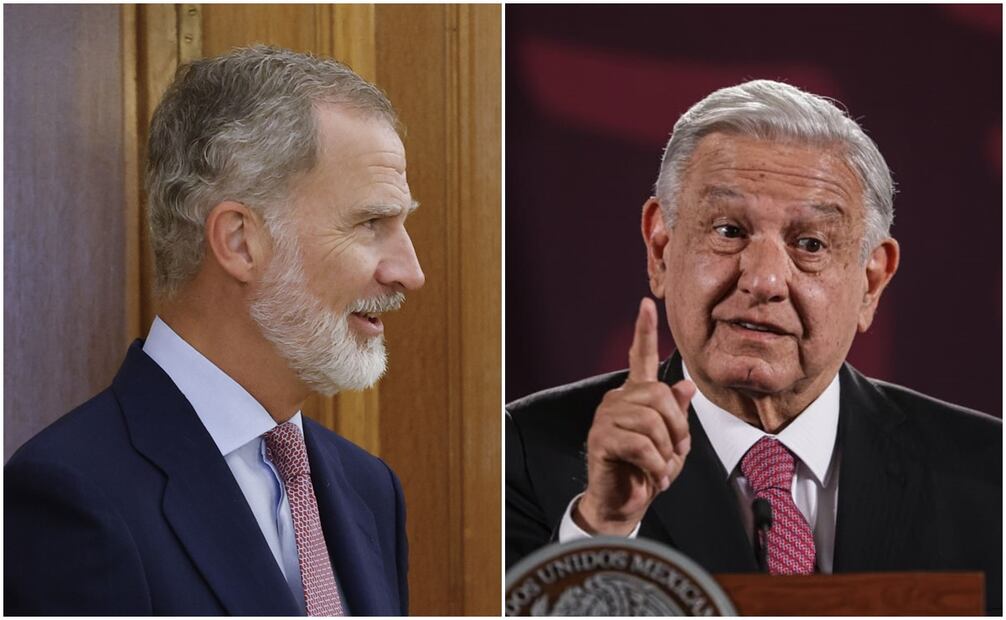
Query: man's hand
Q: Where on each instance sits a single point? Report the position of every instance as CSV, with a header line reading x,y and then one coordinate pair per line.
x,y
639,439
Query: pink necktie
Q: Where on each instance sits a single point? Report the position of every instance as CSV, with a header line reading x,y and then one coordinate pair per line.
x,y
769,466
284,446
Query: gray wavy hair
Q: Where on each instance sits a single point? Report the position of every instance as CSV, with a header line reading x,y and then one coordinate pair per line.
x,y
237,127
775,111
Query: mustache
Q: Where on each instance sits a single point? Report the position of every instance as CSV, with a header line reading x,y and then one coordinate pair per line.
x,y
377,305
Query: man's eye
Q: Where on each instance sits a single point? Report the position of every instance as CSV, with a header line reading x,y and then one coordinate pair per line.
x,y
728,231
372,223
810,244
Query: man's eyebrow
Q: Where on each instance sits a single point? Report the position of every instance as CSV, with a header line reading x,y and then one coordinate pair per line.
x,y
828,209
385,210
713,192
716,192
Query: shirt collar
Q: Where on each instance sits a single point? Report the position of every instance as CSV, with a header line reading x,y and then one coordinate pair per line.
x,y
230,414
811,436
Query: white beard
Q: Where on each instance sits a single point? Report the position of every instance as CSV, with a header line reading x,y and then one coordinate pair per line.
x,y
315,341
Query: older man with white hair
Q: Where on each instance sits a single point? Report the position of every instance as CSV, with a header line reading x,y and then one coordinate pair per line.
x,y
193,485
768,240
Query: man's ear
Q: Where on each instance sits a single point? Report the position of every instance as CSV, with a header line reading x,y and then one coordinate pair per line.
x,y
880,268
655,236
235,238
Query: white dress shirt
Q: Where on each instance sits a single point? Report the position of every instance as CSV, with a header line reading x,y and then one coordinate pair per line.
x,y
811,437
235,422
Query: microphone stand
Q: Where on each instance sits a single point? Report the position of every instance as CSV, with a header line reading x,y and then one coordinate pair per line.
x,y
762,511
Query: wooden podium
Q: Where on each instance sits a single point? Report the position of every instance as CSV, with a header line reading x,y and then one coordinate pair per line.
x,y
857,594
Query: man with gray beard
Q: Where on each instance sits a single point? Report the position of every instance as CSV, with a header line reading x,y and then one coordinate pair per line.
x,y
193,485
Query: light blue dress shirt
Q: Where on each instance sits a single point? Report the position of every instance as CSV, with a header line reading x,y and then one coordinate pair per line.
x,y
236,422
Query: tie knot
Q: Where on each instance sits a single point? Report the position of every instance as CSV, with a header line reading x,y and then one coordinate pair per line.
x,y
768,464
284,447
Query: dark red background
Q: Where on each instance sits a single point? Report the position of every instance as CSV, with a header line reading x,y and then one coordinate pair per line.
x,y
593,91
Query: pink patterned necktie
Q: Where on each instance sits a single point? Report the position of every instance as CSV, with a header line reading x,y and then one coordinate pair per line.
x,y
284,447
769,467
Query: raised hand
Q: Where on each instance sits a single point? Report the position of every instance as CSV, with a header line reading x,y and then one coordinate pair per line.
x,y
639,439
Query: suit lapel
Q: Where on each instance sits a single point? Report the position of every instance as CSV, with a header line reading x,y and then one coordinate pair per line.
x,y
202,501
350,532
882,490
700,502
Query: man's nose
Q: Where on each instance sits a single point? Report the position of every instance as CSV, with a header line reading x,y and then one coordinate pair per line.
x,y
764,266
400,267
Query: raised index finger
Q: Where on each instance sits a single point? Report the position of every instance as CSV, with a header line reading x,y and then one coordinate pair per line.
x,y
643,356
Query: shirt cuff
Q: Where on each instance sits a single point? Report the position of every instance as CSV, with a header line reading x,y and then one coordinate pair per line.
x,y
569,530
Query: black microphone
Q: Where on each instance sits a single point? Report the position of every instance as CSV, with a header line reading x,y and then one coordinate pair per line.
x,y
762,511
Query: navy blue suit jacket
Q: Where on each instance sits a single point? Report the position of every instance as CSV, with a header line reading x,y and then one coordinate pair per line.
x,y
126,506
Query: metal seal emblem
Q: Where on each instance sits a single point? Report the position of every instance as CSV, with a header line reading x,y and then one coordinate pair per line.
x,y
607,576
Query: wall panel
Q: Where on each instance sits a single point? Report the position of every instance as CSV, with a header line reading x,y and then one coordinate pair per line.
x,y
63,211
448,89
412,66
295,26
479,123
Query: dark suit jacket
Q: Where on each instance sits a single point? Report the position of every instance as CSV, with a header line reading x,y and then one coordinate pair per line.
x,y
126,506
920,485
